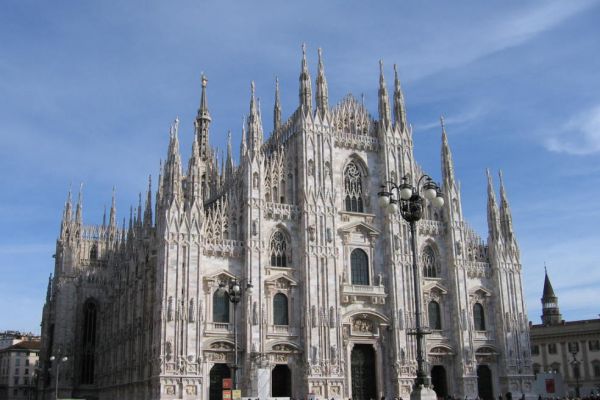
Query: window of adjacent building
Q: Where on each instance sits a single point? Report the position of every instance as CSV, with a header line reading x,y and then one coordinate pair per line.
x,y
27,361
280,309
359,265
17,361
435,319
278,250
26,381
536,368
552,348
573,347
428,260
26,371
478,317
555,367
353,188
594,345
220,307
16,380
535,350
596,368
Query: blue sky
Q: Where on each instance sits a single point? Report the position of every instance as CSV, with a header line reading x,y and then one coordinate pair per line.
x,y
88,90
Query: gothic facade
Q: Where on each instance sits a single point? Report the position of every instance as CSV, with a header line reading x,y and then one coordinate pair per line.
x,y
138,311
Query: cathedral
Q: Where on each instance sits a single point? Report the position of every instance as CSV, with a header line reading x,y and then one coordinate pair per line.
x,y
284,274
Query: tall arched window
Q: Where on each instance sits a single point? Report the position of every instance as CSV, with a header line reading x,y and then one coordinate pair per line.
x,y
280,309
428,260
89,342
359,265
94,252
278,250
435,318
478,317
220,307
353,188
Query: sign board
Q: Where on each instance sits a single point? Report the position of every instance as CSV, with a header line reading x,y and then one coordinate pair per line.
x,y
236,394
227,394
227,383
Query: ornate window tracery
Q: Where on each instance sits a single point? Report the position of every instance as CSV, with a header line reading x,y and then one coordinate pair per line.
x,y
429,264
279,249
280,309
478,317
359,266
353,188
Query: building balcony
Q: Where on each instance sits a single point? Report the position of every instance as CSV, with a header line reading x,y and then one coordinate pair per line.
x,y
218,328
282,330
363,293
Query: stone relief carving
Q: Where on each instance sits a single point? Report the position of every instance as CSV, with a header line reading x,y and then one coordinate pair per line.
x,y
362,325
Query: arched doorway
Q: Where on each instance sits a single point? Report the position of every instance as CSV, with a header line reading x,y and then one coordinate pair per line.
x,y
281,381
438,380
363,372
484,383
217,373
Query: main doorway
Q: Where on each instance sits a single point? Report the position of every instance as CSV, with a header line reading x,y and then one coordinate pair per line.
x,y
438,380
281,381
217,373
484,383
363,372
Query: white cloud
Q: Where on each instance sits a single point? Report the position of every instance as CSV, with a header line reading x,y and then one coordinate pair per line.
x,y
462,118
579,136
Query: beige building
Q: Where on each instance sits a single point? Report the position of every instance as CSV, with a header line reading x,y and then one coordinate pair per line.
x,y
18,373
571,349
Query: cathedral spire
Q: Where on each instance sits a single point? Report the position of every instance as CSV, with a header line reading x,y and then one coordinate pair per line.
x,y
148,206
447,163
229,162
79,208
203,120
399,107
194,179
254,125
505,213
112,221
243,144
66,218
172,175
384,102
277,108
322,90
550,312
305,84
492,210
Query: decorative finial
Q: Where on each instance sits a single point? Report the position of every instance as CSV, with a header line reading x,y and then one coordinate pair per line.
x,y
204,80
381,67
442,123
304,50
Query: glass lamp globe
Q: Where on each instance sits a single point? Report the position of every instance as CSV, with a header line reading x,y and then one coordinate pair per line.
x,y
235,288
384,200
249,288
406,192
392,208
438,201
430,193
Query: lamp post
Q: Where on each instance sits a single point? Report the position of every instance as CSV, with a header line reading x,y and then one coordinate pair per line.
x,y
410,201
234,291
575,362
58,361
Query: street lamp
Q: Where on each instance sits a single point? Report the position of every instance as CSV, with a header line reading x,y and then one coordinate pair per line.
x,y
575,362
410,201
58,361
234,291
